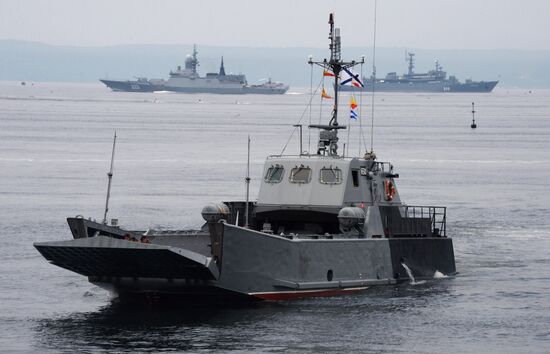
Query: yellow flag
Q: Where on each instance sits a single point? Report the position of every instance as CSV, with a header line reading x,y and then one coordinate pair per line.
x,y
324,94
353,106
353,102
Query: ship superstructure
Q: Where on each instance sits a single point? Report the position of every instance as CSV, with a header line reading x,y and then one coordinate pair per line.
x,y
323,224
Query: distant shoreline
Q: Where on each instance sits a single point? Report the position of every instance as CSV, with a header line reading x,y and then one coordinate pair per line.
x,y
33,61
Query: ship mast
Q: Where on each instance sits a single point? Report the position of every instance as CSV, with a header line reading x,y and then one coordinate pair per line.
x,y
328,136
195,60
411,63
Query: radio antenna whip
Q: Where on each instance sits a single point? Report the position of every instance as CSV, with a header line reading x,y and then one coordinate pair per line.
x,y
110,177
373,80
247,180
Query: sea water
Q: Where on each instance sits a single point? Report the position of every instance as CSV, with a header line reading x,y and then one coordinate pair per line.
x,y
176,152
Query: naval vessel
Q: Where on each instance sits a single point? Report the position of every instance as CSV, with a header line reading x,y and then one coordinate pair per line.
x,y
323,224
433,81
188,80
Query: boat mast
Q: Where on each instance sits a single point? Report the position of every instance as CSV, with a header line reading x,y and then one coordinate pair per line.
x,y
195,60
335,64
328,136
222,69
247,181
411,63
110,177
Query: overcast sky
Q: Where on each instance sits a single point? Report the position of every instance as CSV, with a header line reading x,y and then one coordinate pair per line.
x,y
449,24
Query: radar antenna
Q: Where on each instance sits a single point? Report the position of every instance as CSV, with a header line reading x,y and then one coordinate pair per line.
x,y
328,136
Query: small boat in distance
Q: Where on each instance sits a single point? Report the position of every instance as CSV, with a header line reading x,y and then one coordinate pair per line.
x,y
188,80
433,81
323,224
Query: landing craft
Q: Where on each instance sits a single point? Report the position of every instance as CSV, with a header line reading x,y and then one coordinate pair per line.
x,y
323,224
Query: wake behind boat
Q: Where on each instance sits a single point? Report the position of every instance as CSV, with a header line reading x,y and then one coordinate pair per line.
x,y
323,224
188,80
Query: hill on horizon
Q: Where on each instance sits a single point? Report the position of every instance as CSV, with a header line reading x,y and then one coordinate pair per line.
x,y
32,61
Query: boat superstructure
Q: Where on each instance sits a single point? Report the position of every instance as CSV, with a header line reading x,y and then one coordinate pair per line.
x,y
323,224
188,80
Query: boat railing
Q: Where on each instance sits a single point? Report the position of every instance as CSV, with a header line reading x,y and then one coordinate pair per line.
x,y
436,214
380,166
302,156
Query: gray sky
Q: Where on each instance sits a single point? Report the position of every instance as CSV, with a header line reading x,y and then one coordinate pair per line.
x,y
452,24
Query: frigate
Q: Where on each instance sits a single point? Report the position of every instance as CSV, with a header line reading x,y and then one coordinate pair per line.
x,y
188,80
323,224
432,81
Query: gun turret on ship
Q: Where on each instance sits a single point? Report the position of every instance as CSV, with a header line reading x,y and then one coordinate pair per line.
x,y
188,80
323,224
432,81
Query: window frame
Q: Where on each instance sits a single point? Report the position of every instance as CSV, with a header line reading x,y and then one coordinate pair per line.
x,y
274,167
338,176
297,168
355,178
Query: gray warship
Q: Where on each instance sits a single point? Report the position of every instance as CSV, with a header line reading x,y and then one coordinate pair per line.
x,y
188,80
433,81
323,224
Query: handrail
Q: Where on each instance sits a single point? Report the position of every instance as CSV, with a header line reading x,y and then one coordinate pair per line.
x,y
436,214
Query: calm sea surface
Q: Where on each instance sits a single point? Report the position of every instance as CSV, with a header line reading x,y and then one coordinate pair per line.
x,y
176,153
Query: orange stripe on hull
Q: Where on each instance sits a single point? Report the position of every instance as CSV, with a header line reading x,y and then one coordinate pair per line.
x,y
290,295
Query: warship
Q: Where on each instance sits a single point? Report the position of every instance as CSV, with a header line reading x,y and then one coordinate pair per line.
x,y
433,81
323,224
188,80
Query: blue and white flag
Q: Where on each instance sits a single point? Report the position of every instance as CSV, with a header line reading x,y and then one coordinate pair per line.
x,y
349,78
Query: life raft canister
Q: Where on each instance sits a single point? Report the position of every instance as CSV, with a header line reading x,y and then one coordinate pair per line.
x,y
389,190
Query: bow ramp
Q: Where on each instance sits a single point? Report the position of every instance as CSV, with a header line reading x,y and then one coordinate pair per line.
x,y
107,256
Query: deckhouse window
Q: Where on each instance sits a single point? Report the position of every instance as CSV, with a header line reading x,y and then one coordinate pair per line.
x,y
330,175
274,174
300,174
355,177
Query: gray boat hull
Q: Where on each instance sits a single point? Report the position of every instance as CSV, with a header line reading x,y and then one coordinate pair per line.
x,y
248,264
275,268
131,86
228,90
432,86
147,86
